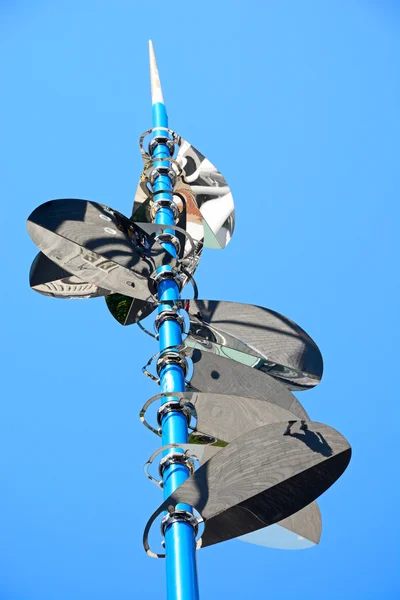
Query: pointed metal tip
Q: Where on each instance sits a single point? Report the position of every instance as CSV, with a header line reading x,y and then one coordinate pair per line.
x,y
156,91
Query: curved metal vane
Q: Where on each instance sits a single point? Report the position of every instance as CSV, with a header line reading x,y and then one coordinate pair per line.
x,y
49,279
258,337
218,375
98,245
221,418
252,335
126,310
202,190
298,532
260,478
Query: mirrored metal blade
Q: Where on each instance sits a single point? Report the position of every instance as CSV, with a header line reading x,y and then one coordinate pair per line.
x,y
49,279
218,375
205,193
254,336
224,417
98,245
219,420
298,532
126,310
261,478
258,337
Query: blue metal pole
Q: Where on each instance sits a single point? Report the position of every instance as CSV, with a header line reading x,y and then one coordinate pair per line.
x,y
180,549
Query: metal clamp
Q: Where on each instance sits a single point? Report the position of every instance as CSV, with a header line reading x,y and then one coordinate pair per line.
x,y
177,401
169,238
168,315
147,154
173,516
178,351
172,357
157,203
185,457
159,171
173,170
175,458
168,274
187,409
179,516
161,140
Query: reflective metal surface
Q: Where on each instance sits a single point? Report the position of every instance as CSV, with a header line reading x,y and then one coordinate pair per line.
x,y
218,375
219,420
258,337
49,279
126,310
298,532
98,245
205,193
262,477
254,336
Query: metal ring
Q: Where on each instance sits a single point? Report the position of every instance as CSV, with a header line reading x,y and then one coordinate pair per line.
x,y
168,315
159,171
157,203
186,453
191,279
173,165
175,458
169,238
161,140
186,408
175,138
171,510
158,276
179,516
172,357
177,399
183,349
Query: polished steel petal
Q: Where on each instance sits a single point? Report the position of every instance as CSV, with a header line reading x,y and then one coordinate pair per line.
x,y
258,337
49,279
218,375
298,532
205,193
262,477
224,417
126,310
254,336
221,419
98,245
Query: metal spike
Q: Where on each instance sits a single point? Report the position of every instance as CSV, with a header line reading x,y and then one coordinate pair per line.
x,y
156,91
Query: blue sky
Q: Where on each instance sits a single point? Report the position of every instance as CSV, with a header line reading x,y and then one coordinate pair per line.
x,y
297,105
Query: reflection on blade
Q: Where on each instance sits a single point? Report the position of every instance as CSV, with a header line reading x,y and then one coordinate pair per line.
x,y
128,311
98,245
224,417
258,337
204,191
261,478
49,279
277,537
219,375
298,532
254,336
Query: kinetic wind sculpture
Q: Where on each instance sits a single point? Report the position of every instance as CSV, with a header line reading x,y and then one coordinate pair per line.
x,y
261,462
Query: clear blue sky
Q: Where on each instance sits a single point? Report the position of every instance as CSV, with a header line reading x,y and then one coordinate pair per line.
x,y
297,104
